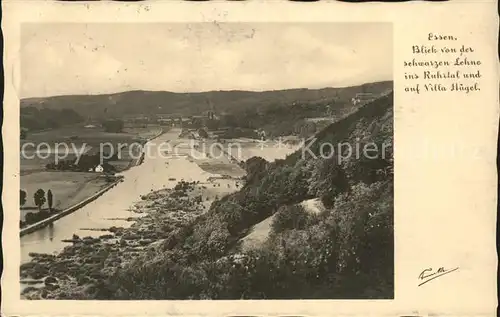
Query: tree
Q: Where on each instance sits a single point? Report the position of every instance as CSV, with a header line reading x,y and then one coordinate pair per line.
x,y
196,123
290,217
114,126
255,166
49,199
229,120
202,133
212,124
39,198
22,196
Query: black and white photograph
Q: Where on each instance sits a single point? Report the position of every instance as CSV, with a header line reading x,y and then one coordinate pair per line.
x,y
206,161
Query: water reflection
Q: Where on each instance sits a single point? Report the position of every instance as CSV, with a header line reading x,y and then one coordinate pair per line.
x,y
51,231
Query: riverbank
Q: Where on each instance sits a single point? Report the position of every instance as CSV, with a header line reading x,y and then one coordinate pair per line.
x,y
45,222
84,200
139,160
68,188
77,271
162,131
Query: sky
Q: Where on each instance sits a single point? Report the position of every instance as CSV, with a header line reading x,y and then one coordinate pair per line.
x,y
65,59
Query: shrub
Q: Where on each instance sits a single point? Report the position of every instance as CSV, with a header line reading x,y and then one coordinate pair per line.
x,y
30,218
22,197
290,217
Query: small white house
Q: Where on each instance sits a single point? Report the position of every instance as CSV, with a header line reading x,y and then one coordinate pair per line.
x,y
99,169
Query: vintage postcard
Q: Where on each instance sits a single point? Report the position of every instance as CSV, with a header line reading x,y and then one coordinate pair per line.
x,y
250,158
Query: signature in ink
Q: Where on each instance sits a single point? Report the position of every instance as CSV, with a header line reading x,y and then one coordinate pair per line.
x,y
430,274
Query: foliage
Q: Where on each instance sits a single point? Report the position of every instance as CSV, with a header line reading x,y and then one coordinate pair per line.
x,y
290,217
327,180
202,133
304,128
49,199
237,132
83,164
31,218
255,168
33,118
39,198
196,123
114,126
212,124
344,252
276,119
22,197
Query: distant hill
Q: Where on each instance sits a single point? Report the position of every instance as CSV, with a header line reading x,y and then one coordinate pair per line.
x,y
140,102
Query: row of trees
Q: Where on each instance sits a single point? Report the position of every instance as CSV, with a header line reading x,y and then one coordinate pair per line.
x,y
38,198
275,119
85,163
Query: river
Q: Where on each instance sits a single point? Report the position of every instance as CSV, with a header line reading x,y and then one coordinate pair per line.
x,y
156,172
152,174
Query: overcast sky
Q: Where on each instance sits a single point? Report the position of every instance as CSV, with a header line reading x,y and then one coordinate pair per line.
x,y
62,59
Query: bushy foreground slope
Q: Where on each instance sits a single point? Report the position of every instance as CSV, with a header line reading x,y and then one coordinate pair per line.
x,y
346,251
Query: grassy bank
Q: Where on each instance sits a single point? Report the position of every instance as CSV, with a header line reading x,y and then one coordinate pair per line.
x,y
68,188
45,217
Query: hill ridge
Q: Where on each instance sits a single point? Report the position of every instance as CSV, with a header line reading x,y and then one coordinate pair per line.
x,y
202,91
135,102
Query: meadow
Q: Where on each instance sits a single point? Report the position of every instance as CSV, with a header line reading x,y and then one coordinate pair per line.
x,y
71,187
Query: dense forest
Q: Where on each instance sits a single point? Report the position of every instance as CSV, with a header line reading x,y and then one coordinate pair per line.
x,y
282,119
274,120
35,119
346,251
